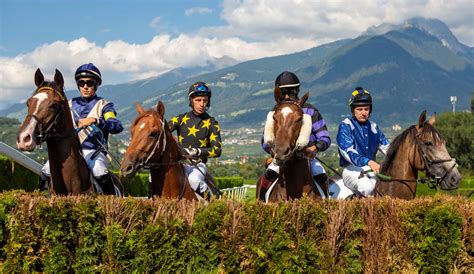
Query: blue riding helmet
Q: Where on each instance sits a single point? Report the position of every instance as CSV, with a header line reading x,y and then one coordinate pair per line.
x,y
199,89
88,70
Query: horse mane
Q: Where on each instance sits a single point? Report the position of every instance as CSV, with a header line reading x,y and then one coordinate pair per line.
x,y
410,132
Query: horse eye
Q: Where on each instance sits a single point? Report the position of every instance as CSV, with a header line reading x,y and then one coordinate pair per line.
x,y
54,106
153,135
429,143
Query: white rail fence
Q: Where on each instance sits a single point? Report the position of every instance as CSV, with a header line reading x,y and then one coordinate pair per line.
x,y
237,193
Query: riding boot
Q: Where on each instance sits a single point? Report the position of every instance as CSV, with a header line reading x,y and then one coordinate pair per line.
x,y
323,182
43,183
267,180
107,184
205,195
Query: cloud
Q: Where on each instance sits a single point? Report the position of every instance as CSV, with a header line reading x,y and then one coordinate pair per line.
x,y
328,20
120,61
253,29
155,22
197,10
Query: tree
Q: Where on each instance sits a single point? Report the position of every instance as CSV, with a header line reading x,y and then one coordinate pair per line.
x,y
458,130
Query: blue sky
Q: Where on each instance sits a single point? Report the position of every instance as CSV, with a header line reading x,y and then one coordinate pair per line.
x,y
27,24
132,40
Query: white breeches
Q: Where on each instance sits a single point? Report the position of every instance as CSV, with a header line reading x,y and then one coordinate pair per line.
x,y
196,176
315,166
98,165
365,184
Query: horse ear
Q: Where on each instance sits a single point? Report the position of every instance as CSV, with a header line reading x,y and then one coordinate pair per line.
x,y
277,94
58,78
432,119
422,119
139,108
303,99
39,78
160,107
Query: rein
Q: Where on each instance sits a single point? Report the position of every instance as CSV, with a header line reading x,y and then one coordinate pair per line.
x,y
432,180
51,131
150,165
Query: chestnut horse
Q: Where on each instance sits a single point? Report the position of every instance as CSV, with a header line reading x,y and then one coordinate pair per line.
x,y
420,147
49,119
152,145
287,130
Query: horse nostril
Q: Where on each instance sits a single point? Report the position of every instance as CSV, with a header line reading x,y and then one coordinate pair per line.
x,y
287,151
27,138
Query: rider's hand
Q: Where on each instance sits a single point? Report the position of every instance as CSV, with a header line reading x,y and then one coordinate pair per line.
x,y
310,152
193,151
374,166
85,122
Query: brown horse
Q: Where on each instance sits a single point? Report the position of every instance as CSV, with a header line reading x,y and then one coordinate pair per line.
x,y
420,147
153,146
287,130
49,119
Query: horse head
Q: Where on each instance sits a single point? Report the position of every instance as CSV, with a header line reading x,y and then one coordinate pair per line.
x,y
433,157
287,128
148,139
46,108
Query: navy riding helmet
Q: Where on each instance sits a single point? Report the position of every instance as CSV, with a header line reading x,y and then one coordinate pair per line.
x,y
199,89
360,97
88,70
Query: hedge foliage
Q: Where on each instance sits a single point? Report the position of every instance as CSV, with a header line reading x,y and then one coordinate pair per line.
x,y
108,234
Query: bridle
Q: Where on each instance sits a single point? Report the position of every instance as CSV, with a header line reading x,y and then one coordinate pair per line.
x,y
293,151
52,131
431,180
428,163
146,163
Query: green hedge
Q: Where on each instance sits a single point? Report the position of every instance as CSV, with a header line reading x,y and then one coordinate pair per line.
x,y
15,176
108,234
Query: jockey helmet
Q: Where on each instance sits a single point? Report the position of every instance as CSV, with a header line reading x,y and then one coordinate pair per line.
x,y
288,83
360,97
199,89
88,70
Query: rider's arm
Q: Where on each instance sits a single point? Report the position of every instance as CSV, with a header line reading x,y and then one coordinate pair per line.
x,y
346,143
319,131
108,120
214,149
174,123
383,142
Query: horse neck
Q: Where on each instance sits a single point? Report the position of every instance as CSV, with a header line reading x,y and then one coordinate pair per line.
x,y
296,175
402,164
69,171
168,178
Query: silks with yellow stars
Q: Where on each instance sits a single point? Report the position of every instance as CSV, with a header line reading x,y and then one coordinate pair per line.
x,y
201,132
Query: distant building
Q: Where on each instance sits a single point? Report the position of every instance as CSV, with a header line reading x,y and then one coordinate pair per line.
x,y
396,127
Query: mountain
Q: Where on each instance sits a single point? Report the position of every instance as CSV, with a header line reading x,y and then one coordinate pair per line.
x,y
408,68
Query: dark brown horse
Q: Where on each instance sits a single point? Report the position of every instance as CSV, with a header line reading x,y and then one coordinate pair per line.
x,y
153,146
49,119
287,130
420,147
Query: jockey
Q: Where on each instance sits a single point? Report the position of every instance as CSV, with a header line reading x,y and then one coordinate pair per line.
x,y
358,140
199,135
319,140
91,110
